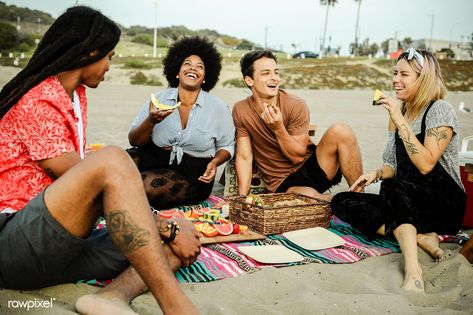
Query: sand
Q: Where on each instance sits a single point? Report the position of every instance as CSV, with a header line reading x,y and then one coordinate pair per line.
x,y
367,287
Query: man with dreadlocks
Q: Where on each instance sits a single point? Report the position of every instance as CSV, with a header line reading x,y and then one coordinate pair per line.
x,y
51,197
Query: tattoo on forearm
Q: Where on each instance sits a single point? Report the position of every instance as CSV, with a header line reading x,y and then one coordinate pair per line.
x,y
438,133
51,173
125,233
410,146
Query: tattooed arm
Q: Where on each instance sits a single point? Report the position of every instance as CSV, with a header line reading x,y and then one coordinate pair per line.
x,y
423,155
426,155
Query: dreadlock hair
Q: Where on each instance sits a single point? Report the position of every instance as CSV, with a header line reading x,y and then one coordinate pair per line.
x,y
66,45
186,47
248,60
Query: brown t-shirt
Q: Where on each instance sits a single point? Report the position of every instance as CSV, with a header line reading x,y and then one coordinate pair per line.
x,y
274,166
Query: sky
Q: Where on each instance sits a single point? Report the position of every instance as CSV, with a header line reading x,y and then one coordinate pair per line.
x,y
283,24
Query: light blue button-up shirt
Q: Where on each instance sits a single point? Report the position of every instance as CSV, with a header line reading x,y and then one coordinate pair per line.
x,y
210,127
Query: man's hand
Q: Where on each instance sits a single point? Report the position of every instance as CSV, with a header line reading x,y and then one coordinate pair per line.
x,y
209,173
272,116
186,245
156,115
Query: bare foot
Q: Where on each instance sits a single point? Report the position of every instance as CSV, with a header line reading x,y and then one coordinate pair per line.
x,y
95,304
429,242
413,282
467,250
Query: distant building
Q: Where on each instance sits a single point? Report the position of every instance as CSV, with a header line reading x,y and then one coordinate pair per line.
x,y
462,50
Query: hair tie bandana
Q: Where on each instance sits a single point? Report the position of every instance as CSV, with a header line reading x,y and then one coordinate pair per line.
x,y
412,53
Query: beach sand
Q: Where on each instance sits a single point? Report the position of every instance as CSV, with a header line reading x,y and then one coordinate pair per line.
x,y
371,286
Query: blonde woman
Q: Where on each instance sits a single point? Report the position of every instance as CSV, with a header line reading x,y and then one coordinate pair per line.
x,y
421,192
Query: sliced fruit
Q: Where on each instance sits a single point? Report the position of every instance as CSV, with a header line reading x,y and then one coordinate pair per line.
x,y
167,214
224,229
208,230
188,214
199,225
201,211
160,106
236,228
243,228
179,214
377,95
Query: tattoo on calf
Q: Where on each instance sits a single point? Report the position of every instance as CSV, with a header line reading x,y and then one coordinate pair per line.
x,y
125,233
410,146
438,133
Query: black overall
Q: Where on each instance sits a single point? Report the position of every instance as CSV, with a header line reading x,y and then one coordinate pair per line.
x,y
432,203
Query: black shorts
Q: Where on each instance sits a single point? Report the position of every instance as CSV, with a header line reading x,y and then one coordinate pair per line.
x,y
310,175
36,251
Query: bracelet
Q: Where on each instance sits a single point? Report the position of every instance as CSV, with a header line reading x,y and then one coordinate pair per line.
x,y
174,231
379,175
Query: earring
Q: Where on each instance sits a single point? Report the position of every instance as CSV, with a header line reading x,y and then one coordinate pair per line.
x,y
203,81
177,76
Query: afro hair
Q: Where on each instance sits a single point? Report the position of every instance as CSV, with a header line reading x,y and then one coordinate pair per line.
x,y
186,47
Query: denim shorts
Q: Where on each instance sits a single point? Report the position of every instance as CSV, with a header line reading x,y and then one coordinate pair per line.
x,y
36,251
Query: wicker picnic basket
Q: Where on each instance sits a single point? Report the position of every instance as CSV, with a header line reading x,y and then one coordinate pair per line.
x,y
271,219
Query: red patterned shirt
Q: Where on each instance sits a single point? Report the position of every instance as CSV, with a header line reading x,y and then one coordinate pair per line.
x,y
40,126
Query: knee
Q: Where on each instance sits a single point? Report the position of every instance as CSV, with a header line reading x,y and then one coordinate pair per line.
x,y
116,160
342,132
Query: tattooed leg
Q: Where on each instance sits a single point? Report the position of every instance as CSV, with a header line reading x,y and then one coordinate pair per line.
x,y
406,236
110,179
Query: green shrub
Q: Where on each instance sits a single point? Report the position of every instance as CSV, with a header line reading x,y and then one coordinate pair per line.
x,y
8,36
143,39
136,64
238,83
139,78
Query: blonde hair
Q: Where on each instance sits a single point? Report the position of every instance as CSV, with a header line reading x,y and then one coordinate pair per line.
x,y
428,87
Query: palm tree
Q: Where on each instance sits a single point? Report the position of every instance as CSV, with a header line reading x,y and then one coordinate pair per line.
x,y
328,3
355,47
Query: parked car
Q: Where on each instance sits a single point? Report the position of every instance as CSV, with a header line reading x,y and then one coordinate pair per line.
x,y
305,54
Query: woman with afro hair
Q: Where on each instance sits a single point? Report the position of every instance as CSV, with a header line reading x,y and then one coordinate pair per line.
x,y
179,150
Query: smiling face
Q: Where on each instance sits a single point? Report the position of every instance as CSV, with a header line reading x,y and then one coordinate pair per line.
x,y
265,81
403,80
192,73
94,73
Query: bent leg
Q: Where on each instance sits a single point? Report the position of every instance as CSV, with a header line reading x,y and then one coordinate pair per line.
x,y
116,297
406,236
364,212
338,148
110,177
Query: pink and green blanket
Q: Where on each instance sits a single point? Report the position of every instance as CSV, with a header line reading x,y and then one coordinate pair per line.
x,y
220,261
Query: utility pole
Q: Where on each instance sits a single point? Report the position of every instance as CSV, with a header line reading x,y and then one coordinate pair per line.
x,y
322,48
266,37
155,35
355,48
431,30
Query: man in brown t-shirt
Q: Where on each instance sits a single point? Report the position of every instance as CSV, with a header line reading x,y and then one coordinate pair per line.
x,y
272,129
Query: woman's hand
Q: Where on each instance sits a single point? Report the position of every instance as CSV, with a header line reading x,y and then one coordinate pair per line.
x,y
363,181
186,245
156,115
393,106
209,173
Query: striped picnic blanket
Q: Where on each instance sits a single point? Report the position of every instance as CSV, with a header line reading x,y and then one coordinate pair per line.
x,y
220,261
